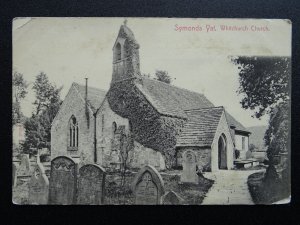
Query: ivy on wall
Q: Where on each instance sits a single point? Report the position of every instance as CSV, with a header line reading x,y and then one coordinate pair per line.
x,y
149,128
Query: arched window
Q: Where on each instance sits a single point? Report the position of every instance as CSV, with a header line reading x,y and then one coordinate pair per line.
x,y
118,52
114,129
73,133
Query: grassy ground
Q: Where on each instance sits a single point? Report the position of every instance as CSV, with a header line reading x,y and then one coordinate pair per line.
x,y
266,192
193,194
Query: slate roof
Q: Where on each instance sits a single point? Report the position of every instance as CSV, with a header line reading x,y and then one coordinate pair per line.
x,y
238,125
200,128
95,95
171,100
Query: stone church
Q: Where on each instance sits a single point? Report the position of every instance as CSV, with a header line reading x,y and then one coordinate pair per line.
x,y
163,120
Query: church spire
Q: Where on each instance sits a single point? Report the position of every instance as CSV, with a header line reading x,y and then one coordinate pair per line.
x,y
126,62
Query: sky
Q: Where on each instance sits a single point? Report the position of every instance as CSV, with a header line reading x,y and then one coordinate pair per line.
x,y
70,49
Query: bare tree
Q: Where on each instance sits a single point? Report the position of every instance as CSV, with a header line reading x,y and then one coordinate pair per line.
x,y
126,145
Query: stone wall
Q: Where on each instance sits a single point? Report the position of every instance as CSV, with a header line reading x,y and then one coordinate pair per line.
x,y
203,157
73,104
104,125
107,154
142,156
150,129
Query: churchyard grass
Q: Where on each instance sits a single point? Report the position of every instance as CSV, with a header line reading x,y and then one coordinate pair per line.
x,y
193,194
116,195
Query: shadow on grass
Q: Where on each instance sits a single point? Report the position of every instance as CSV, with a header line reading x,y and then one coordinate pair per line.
x,y
266,191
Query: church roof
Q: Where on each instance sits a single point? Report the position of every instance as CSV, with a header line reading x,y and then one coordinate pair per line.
x,y
174,101
200,128
238,125
95,95
171,100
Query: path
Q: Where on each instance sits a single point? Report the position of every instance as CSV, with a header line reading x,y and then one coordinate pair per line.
x,y
230,188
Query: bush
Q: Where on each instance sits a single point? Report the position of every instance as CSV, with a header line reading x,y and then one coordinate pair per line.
x,y
237,153
271,174
45,158
266,162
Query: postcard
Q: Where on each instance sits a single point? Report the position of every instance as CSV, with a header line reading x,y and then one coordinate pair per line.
x,y
151,111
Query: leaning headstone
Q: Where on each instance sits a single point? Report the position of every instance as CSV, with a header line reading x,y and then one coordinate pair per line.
x,y
14,175
63,181
24,167
171,198
148,186
91,184
189,164
38,186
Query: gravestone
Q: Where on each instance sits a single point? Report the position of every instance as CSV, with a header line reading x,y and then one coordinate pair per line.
x,y
14,175
189,164
171,198
24,167
38,186
63,181
148,186
91,185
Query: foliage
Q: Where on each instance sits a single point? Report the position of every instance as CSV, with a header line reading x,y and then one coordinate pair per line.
x,y
163,76
46,93
276,136
252,147
38,126
17,115
148,75
267,192
264,82
148,127
19,93
236,153
19,86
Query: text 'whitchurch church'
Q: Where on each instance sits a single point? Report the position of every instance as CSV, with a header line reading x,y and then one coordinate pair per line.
x,y
156,122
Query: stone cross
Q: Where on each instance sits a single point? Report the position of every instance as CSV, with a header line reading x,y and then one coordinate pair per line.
x,y
148,186
38,186
189,164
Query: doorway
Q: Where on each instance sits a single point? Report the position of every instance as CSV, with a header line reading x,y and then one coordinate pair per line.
x,y
222,149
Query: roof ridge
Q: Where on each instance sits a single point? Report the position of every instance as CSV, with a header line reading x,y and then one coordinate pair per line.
x,y
82,85
171,85
214,107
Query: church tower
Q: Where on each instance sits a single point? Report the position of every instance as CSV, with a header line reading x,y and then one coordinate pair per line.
x,y
126,61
